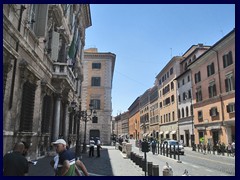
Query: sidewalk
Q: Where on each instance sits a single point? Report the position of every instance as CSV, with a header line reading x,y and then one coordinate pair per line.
x,y
111,163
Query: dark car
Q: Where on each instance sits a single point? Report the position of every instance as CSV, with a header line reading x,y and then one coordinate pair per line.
x,y
166,144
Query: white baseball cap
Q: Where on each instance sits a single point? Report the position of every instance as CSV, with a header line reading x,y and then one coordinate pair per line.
x,y
60,141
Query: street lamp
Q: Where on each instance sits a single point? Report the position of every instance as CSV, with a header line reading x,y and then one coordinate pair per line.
x,y
85,116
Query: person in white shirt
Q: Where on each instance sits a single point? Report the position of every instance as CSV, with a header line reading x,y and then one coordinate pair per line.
x,y
98,147
91,147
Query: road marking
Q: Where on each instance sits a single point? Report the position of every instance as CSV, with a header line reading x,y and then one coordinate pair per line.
x,y
212,160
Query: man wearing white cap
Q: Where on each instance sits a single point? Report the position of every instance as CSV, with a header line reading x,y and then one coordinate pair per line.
x,y
66,161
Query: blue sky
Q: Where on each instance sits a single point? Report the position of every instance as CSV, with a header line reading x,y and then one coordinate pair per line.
x,y
144,37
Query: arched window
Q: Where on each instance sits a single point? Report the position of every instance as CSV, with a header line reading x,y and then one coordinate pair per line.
x,y
179,113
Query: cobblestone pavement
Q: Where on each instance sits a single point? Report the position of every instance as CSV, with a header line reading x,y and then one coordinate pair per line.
x,y
111,163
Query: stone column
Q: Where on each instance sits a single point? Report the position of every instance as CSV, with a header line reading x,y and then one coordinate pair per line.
x,y
66,123
56,118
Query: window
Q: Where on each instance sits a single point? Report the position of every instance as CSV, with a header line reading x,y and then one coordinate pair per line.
x,y
189,94
182,113
213,111
37,19
227,59
96,81
96,65
231,108
212,90
197,77
229,83
183,82
179,113
184,96
173,116
172,85
160,104
210,69
185,66
160,82
166,101
199,95
187,111
188,78
200,116
95,103
172,98
32,15
171,71
179,98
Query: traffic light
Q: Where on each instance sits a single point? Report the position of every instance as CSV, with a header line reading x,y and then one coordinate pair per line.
x,y
145,146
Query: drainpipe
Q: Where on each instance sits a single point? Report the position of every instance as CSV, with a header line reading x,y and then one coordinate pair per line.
x,y
15,60
220,84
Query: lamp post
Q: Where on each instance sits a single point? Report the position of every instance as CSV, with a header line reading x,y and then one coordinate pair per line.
x,y
85,116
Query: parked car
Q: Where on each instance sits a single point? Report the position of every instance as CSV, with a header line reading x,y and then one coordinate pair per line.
x,y
178,147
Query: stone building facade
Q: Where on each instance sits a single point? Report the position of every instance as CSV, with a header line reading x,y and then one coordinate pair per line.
x,y
42,57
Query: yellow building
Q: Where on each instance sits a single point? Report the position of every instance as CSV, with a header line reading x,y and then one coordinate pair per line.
x,y
167,100
98,69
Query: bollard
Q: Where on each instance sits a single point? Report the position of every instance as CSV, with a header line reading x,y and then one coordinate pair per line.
x,y
136,160
140,161
150,165
170,151
143,165
131,156
167,170
167,150
155,170
134,157
174,150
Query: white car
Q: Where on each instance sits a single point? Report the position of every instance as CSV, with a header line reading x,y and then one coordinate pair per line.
x,y
170,143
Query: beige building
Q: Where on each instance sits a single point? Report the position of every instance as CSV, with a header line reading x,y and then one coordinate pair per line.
x,y
98,69
213,75
154,113
42,53
167,100
144,102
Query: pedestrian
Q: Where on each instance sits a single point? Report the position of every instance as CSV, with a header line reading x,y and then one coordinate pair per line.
x,y
14,163
91,147
233,148
98,147
154,144
58,163
229,149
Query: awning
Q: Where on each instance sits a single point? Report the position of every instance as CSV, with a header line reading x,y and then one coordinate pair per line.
x,y
161,132
173,132
166,132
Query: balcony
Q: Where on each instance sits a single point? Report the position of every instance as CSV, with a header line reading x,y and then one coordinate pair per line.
x,y
61,71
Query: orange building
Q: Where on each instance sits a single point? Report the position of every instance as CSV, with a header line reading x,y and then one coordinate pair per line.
x,y
213,75
134,120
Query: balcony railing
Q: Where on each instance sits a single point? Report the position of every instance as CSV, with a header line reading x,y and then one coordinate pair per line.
x,y
62,71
